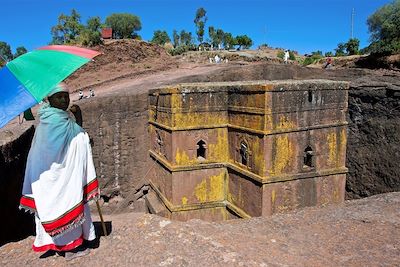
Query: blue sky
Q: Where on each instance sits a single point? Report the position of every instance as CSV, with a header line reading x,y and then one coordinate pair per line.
x,y
302,25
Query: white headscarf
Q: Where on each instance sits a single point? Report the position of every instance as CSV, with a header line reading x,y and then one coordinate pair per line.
x,y
61,87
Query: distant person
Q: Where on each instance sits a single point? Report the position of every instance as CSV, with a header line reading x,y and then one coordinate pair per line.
x,y
91,93
328,63
80,94
286,57
217,59
60,178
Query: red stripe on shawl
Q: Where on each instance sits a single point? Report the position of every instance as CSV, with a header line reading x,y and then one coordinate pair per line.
x,y
65,219
27,202
74,244
89,189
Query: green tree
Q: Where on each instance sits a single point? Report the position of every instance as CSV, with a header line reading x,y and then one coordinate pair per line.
x,y
339,51
243,41
212,34
67,29
90,35
228,41
74,25
329,54
160,37
58,31
124,25
200,22
93,24
216,36
20,51
219,37
352,46
175,37
5,53
384,26
186,38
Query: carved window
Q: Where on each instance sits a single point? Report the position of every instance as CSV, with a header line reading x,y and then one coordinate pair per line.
x,y
308,157
201,149
310,96
244,153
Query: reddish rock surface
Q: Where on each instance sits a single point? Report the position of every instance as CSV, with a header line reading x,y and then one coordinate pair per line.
x,y
363,232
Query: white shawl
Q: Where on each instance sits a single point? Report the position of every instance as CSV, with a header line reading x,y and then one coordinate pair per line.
x,y
60,176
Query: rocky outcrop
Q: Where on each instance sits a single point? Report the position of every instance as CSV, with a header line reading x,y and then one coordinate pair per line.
x,y
336,235
374,140
118,127
15,223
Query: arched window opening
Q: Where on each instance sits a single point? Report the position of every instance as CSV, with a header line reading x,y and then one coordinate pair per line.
x,y
201,149
244,153
310,96
308,157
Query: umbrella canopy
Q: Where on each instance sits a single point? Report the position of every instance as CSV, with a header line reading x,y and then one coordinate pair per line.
x,y
26,80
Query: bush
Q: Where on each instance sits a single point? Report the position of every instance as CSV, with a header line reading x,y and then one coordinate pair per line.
x,y
178,50
281,54
292,56
316,56
89,38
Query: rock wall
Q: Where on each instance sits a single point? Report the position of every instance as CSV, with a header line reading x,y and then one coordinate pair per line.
x,y
118,127
15,224
373,140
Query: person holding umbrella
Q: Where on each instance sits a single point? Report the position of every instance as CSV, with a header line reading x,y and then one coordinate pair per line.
x,y
60,178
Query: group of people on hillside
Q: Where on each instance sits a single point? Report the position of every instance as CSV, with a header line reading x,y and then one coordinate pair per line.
x,y
217,59
81,95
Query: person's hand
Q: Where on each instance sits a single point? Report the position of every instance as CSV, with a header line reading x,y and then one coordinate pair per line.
x,y
75,109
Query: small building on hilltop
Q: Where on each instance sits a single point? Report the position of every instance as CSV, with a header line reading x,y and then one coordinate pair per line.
x,y
246,149
107,33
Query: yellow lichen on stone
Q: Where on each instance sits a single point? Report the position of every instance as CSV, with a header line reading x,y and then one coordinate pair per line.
x,y
176,101
343,145
184,200
217,187
273,197
283,154
181,158
219,151
268,124
285,123
258,153
200,191
192,119
231,198
211,189
265,87
332,145
247,121
224,214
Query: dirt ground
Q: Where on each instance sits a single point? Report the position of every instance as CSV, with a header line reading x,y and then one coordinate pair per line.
x,y
363,232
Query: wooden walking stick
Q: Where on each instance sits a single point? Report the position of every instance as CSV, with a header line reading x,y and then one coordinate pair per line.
x,y
101,218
